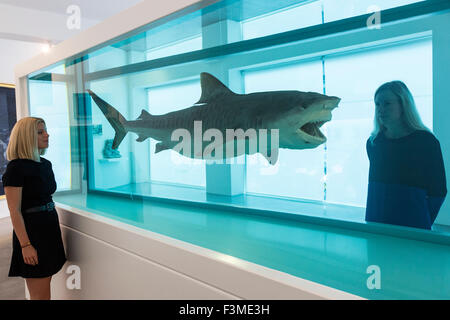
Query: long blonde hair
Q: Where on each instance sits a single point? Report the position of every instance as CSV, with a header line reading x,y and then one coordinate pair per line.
x,y
23,141
410,116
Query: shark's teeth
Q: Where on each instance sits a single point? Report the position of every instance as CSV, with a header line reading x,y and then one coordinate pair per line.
x,y
308,138
319,123
312,129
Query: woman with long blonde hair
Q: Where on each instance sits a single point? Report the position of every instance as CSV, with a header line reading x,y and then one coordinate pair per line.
x,y
29,182
407,183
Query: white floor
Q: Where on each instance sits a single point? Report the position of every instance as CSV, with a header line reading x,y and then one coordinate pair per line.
x,y
4,212
10,288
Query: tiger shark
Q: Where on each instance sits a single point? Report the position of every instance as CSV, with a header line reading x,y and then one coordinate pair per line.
x,y
293,119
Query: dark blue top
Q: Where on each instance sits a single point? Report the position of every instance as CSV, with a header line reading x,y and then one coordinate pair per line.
x,y
407,183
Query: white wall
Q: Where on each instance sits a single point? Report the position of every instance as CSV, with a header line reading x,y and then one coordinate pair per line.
x,y
40,25
24,32
13,52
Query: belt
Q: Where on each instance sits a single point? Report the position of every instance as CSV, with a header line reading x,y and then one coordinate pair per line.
x,y
48,207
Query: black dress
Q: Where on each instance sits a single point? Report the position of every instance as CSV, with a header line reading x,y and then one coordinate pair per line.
x,y
38,184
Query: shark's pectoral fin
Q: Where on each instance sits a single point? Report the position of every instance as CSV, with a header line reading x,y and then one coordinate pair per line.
x,y
161,147
142,138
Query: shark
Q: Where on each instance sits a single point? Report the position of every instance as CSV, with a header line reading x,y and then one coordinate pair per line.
x,y
293,119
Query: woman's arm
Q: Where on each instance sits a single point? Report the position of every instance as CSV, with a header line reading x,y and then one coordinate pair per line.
x,y
437,187
14,200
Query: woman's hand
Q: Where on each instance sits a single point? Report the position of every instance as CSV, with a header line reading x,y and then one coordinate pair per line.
x,y
30,255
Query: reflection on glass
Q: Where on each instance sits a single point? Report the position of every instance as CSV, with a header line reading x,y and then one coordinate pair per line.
x,y
149,71
304,14
353,121
298,174
50,101
170,166
336,10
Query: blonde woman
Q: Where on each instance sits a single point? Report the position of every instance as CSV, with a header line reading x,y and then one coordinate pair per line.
x,y
29,183
407,183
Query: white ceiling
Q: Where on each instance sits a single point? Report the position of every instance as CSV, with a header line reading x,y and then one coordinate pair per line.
x,y
91,9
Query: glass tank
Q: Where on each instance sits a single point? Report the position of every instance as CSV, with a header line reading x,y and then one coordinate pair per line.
x,y
107,109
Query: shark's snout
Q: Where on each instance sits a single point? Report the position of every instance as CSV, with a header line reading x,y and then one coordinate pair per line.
x,y
332,102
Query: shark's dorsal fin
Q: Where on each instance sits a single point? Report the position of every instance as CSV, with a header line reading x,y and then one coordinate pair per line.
x,y
211,88
144,115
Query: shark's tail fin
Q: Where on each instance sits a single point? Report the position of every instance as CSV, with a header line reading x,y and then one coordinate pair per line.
x,y
114,117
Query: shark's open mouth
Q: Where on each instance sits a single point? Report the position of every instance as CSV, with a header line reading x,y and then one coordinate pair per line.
x,y
312,129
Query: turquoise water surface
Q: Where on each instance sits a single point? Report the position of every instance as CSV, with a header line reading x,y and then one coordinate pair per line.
x,y
331,256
